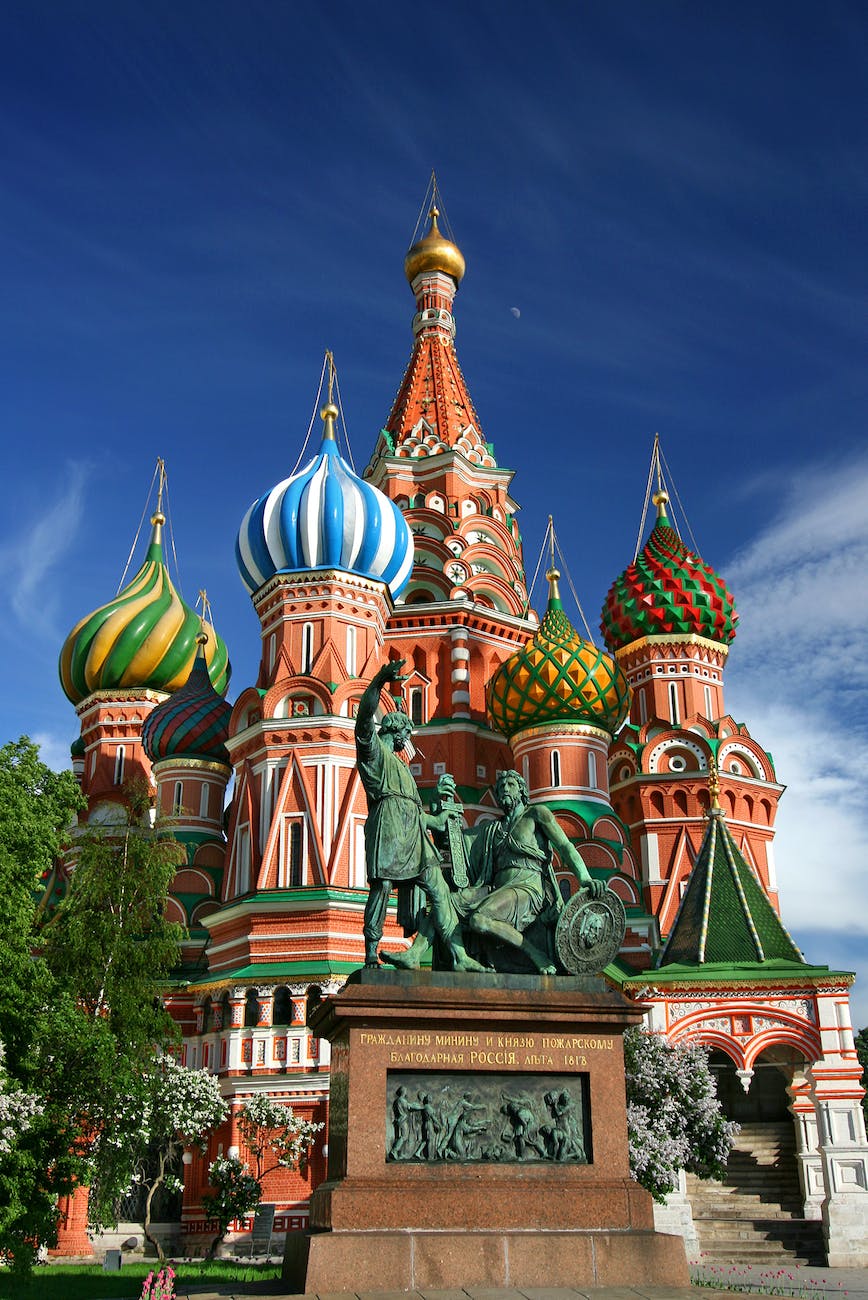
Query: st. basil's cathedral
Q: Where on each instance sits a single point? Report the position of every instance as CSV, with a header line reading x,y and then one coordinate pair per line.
x,y
665,796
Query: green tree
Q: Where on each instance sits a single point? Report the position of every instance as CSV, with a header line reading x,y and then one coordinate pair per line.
x,y
48,1048
111,946
674,1119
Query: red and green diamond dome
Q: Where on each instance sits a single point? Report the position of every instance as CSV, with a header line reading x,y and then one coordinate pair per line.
x,y
143,639
192,723
667,591
557,677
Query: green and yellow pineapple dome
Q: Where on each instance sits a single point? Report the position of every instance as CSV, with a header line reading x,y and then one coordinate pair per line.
x,y
143,639
557,677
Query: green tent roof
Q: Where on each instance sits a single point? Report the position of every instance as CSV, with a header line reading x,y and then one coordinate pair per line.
x,y
725,915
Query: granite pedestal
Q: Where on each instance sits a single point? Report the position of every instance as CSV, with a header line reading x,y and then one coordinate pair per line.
x,y
496,1209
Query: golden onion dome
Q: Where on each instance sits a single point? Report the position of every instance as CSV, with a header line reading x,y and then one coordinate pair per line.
x,y
557,676
434,252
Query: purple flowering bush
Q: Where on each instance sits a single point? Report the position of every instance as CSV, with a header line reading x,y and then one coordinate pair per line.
x,y
674,1119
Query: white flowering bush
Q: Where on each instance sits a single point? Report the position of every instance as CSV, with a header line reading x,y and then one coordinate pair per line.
x,y
170,1107
674,1119
18,1109
272,1127
235,1193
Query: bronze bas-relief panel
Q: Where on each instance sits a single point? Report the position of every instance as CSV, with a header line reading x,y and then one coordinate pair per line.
x,y
481,1118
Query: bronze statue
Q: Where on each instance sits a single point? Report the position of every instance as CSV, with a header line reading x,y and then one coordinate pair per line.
x,y
519,854
398,848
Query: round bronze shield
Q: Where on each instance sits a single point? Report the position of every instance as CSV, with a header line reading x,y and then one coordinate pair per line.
x,y
590,932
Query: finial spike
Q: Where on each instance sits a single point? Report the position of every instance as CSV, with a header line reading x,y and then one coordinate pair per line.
x,y
329,412
158,518
714,789
330,366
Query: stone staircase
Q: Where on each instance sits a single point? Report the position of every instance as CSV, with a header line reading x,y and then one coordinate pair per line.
x,y
754,1216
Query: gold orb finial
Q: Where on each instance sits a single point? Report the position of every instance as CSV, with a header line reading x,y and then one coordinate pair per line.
x,y
660,499
434,252
202,639
553,577
158,519
328,415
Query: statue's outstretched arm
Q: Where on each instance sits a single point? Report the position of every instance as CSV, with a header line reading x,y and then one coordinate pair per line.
x,y
546,821
370,701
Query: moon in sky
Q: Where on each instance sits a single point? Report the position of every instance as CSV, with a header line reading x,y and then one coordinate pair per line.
x,y
516,311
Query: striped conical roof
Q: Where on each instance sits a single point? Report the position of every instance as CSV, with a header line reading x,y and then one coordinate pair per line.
x,y
667,590
144,638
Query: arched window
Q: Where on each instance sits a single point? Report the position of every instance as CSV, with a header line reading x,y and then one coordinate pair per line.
x,y
416,705
352,640
709,707
282,1014
225,1011
592,770
206,1016
643,705
556,768
178,799
673,702
203,799
525,769
251,1009
295,854
307,647
120,759
272,650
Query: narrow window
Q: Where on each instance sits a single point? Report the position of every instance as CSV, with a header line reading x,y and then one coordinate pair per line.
x,y
643,705
203,799
673,702
120,758
251,1009
351,651
307,647
525,769
295,862
592,771
709,710
272,650
243,860
178,799
556,768
416,706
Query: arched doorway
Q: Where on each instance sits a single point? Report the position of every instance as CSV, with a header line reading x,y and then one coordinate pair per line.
x,y
766,1100
756,1213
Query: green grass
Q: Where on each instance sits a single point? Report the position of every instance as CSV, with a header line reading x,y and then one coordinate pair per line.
x,y
89,1282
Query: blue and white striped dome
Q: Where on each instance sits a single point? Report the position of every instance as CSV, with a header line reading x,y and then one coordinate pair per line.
x,y
325,517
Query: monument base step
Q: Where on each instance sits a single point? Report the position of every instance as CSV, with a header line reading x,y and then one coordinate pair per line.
x,y
413,1260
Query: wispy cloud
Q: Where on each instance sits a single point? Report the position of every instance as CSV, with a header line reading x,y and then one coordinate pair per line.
x,y
38,546
798,678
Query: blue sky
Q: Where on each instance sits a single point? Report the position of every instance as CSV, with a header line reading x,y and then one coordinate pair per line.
x,y
196,200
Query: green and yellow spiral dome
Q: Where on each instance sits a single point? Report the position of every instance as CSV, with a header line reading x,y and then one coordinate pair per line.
x,y
557,677
144,638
